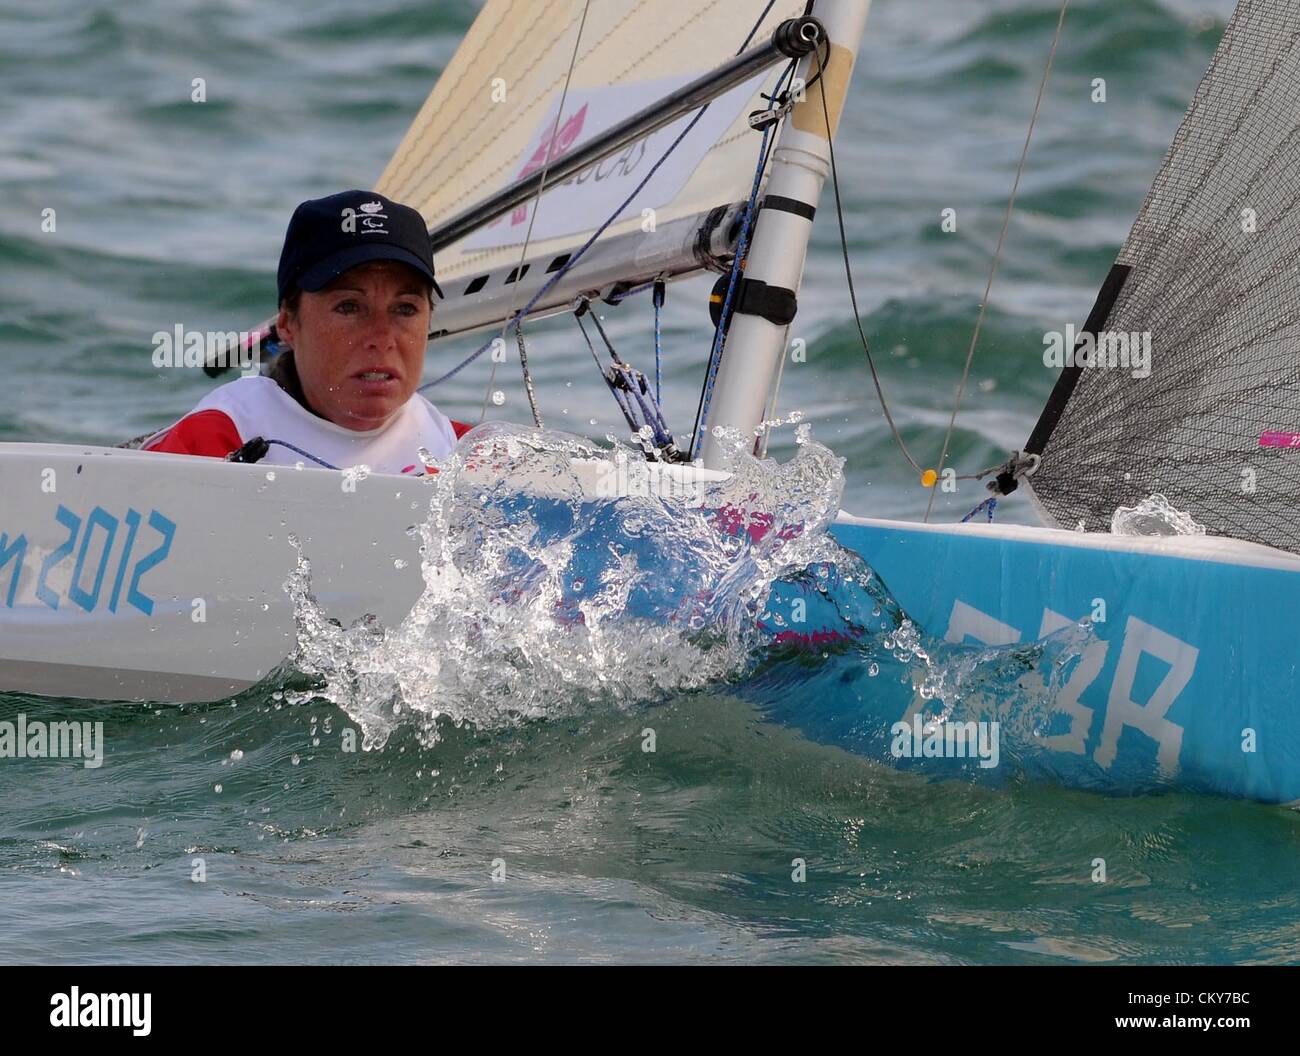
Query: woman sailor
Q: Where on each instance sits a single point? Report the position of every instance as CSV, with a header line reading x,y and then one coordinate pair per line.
x,y
356,288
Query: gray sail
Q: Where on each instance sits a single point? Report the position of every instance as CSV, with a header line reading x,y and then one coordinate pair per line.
x,y
1210,276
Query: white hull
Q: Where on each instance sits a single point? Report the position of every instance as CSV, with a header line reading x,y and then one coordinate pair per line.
x,y
211,617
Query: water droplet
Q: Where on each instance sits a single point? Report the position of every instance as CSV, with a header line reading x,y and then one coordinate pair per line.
x,y
236,755
294,759
498,398
352,475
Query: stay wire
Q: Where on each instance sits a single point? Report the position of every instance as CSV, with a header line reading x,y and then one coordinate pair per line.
x,y
748,220
997,253
853,296
528,235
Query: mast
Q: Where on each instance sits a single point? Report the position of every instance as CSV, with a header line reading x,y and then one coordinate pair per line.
x,y
800,164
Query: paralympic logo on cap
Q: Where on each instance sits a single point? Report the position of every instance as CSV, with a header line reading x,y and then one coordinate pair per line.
x,y
372,219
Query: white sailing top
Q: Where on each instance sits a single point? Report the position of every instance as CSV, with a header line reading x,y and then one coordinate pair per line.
x,y
229,416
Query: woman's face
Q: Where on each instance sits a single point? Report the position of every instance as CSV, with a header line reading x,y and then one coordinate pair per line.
x,y
359,343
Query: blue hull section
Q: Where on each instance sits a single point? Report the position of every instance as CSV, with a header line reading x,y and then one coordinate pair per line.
x,y
1191,680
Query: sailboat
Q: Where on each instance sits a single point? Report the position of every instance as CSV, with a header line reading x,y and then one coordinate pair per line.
x,y
577,154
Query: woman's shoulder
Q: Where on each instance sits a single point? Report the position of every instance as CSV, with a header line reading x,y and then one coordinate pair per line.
x,y
424,406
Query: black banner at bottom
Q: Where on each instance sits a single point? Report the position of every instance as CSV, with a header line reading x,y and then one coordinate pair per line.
x,y
342,1004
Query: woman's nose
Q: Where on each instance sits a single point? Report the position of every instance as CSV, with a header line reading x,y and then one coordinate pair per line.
x,y
380,330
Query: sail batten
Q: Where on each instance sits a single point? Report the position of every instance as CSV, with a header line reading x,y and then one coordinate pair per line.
x,y
1210,275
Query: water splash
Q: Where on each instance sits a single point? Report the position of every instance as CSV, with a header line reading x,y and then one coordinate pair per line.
x,y
562,577
1154,515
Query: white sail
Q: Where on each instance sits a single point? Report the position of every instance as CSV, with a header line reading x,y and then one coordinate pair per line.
x,y
493,114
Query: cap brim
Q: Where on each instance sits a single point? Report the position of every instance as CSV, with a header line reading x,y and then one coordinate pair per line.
x,y
323,272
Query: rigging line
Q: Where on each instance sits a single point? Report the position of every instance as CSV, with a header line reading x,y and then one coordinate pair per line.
x,y
761,18
853,296
608,344
785,337
305,454
575,257
724,316
770,415
578,317
577,254
528,235
747,221
997,253
528,378
659,340
609,378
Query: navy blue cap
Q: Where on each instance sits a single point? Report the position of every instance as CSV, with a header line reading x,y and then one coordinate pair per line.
x,y
327,236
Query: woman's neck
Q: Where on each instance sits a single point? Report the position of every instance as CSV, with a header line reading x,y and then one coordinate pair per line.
x,y
284,372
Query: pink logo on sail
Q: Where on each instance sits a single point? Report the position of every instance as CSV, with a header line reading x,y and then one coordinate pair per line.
x,y
1278,439
565,136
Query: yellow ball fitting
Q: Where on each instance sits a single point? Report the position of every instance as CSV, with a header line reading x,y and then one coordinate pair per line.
x,y
928,478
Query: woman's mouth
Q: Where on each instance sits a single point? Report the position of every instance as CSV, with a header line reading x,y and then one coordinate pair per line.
x,y
377,381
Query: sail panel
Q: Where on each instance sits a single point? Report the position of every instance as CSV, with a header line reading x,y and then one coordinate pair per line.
x,y
1195,369
492,117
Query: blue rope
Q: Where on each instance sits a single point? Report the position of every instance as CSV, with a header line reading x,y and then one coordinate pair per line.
x,y
989,504
620,298
634,383
659,343
517,318
651,412
742,243
305,454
